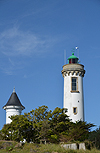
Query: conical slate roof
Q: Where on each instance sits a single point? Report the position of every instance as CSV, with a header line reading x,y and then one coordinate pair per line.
x,y
14,100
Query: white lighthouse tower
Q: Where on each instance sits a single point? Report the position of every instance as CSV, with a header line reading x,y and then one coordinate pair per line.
x,y
13,107
73,74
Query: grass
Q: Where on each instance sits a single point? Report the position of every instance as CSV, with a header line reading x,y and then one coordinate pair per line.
x,y
41,148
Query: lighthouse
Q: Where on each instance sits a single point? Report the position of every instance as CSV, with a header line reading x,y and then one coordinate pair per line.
x,y
13,106
73,74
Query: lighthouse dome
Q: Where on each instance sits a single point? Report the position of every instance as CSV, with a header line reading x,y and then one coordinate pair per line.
x,y
72,59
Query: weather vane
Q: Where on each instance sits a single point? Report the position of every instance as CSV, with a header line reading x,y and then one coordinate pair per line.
x,y
73,50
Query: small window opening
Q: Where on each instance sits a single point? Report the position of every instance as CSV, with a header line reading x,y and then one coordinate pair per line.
x,y
75,110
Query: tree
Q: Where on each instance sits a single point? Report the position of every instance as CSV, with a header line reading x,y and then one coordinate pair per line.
x,y
94,137
22,128
18,130
40,122
59,123
47,124
43,123
6,132
78,131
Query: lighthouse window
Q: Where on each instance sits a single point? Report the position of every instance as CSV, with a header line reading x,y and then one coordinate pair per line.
x,y
72,61
74,83
75,110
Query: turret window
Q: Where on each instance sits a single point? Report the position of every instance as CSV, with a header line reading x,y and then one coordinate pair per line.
x,y
74,84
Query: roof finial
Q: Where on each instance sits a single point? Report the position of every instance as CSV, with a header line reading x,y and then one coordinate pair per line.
x,y
14,90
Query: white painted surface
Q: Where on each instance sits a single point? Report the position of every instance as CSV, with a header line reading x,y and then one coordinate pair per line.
x,y
73,99
70,146
82,146
12,110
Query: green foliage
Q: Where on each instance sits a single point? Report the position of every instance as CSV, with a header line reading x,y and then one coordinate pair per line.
x,y
88,144
53,138
44,124
6,132
18,129
10,148
78,131
71,151
94,137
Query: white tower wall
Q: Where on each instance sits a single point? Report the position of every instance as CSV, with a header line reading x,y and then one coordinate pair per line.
x,y
74,100
12,110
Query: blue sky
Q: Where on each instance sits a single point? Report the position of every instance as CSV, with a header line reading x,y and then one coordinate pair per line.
x,y
33,37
